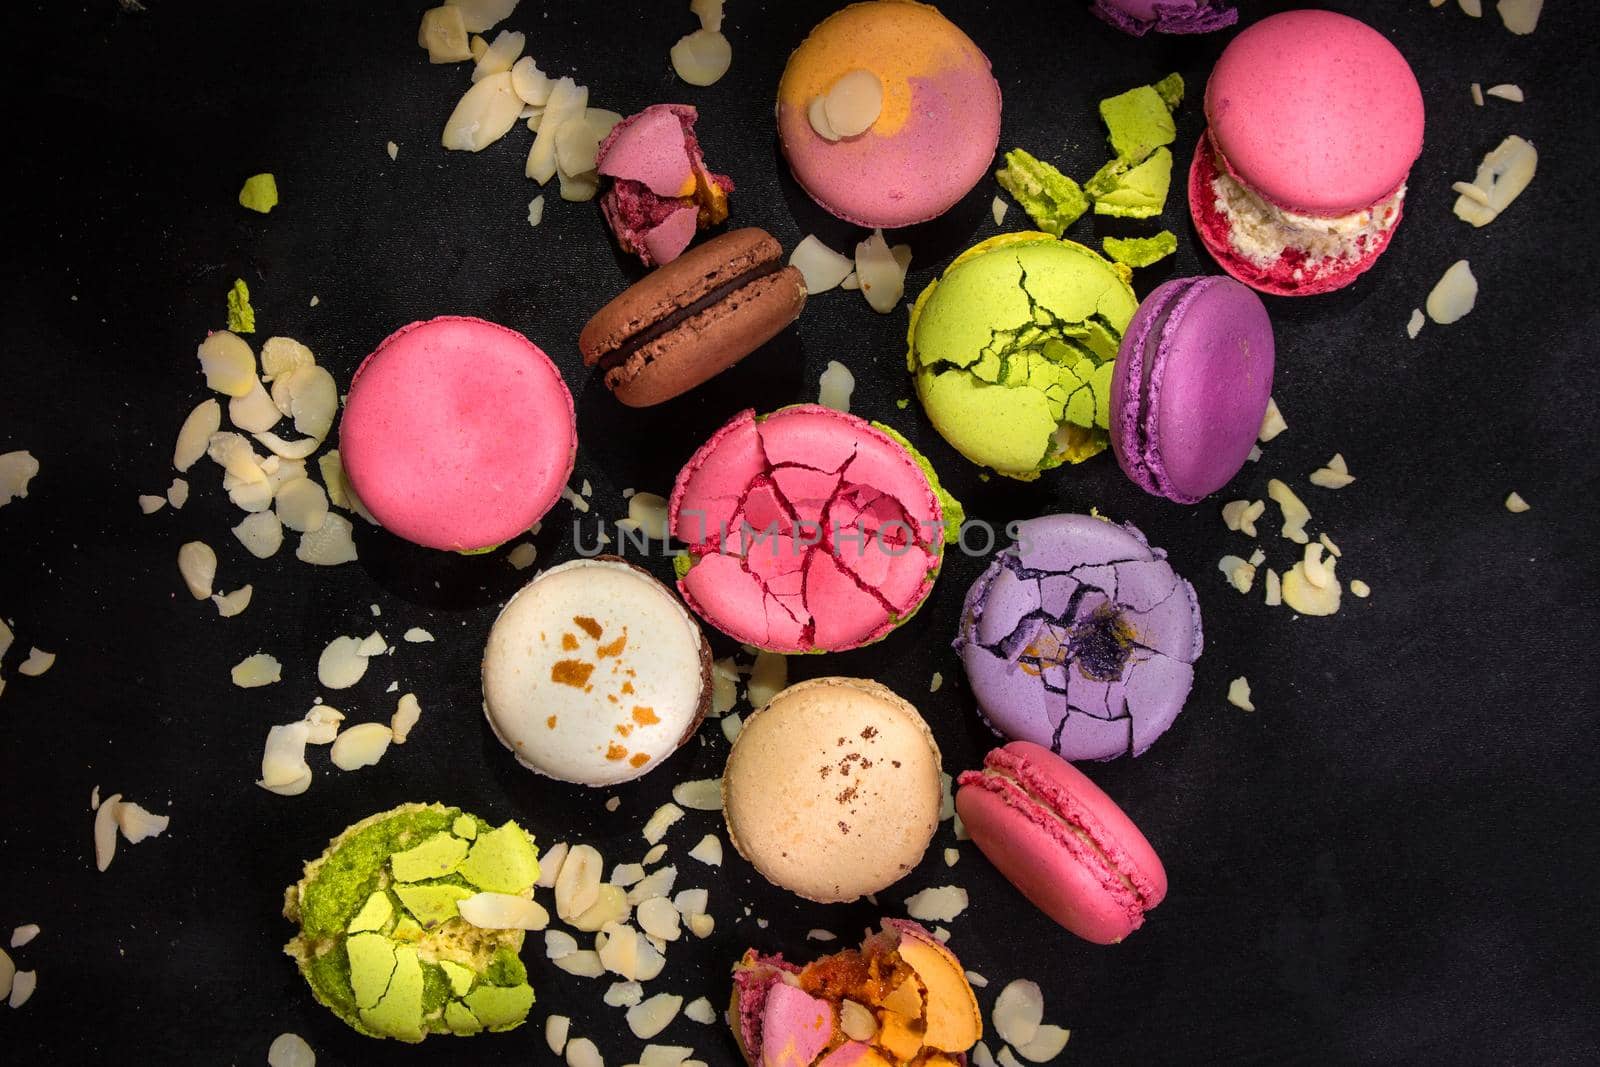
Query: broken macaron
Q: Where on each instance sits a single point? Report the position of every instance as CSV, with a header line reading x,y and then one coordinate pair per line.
x,y
383,943
693,318
594,673
458,434
661,191
1140,17
808,530
1061,841
901,997
1080,638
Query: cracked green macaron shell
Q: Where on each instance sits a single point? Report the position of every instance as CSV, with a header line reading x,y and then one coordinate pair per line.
x,y
381,941
1011,351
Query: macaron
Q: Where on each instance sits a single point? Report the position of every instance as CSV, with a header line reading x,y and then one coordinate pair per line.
x,y
661,191
1139,17
1191,386
458,434
808,530
832,789
888,114
921,1004
1080,638
1011,351
594,673
382,941
688,321
1061,841
1314,122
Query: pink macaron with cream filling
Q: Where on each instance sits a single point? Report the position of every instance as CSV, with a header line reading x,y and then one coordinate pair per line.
x,y
458,434
1298,183
1061,841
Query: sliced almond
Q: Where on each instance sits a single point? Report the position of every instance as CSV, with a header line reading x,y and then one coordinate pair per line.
x,y
854,102
1454,295
261,534
817,115
360,746
300,449
301,505
652,1016
283,761
1512,93
658,883
836,386
1502,176
290,1050
23,934
178,493
702,794
228,364
820,266
659,918
151,504
937,903
1048,1042
699,1010
768,678
1239,694
709,12
234,603
444,35
1520,16
568,100
731,725
558,944
1272,423
623,994
405,717
484,115
655,828
998,209
882,276
584,963
197,563
1414,326
322,723
1295,513
329,545
610,906
857,1021
550,865
708,851
22,987
254,412
255,671
692,902
724,687
531,84
502,911
578,886
702,57
283,355
105,831
498,58
1305,596
581,1052
1516,505
521,557
341,663
1018,1012
700,925
137,824
195,434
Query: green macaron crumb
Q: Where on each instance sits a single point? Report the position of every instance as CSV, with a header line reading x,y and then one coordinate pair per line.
x,y
1052,200
382,943
1012,350
903,403
1170,89
949,507
260,193
241,316
1140,251
1132,191
1139,121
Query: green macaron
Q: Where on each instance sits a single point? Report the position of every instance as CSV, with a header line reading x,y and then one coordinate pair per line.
x,y
382,943
1012,351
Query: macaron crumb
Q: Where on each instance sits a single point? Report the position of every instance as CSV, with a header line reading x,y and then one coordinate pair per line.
x,y
1239,694
1418,320
1272,423
1516,505
1360,589
613,803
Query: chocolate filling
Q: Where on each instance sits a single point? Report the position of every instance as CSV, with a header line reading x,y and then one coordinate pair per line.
x,y
620,355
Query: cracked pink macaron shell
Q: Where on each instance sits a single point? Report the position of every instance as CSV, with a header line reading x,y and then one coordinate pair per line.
x,y
949,135
795,1026
458,433
815,465
1316,112
1098,878
649,148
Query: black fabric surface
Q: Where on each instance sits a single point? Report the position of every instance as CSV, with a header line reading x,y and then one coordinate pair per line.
x,y
1383,864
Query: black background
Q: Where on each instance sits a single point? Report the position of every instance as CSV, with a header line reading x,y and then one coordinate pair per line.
x,y
1384,863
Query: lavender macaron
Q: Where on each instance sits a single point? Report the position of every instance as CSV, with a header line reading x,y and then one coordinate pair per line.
x,y
1081,638
1191,384
1139,17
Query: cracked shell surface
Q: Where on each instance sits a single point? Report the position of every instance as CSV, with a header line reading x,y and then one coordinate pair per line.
x,y
389,971
1080,638
1012,351
808,530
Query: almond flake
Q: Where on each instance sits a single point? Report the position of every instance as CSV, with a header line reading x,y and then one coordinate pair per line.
x,y
581,1052
22,987
24,934
836,386
360,746
708,851
1454,295
255,671
550,865
37,663
329,545
261,534
700,1011
821,935
1502,176
1047,1043
623,994
655,828
198,565
702,57
341,664
522,556
768,678
977,981
290,1050
1272,423
658,918
559,944
322,723
857,1021
503,911
939,903
228,364
952,856
178,493
1295,513
1418,320
853,103
301,505
1516,505
731,725
649,1018
881,272
151,504
700,925
702,794
556,1028
405,717
692,902
578,885
1239,694
1360,589
1018,1012
1306,596
137,824
1520,16
105,831
658,883
1512,93
820,266
998,209
626,874
1274,587
195,434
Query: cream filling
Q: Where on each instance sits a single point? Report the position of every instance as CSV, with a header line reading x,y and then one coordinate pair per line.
x,y
1261,232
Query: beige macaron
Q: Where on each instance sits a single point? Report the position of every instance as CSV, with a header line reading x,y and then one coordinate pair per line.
x,y
832,789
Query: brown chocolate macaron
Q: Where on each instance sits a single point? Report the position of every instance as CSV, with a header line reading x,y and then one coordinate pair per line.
x,y
693,318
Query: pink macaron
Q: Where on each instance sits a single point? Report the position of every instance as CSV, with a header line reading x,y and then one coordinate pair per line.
x,y
1315,120
934,134
458,434
1061,841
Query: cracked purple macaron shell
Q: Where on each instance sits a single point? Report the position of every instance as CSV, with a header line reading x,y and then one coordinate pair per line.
x,y
1080,638
1139,17
1190,387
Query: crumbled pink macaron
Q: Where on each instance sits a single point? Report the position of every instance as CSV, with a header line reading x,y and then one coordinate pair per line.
x,y
661,192
795,1026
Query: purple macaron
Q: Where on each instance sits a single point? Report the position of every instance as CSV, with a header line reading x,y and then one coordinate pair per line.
x,y
1191,385
1139,17
1080,638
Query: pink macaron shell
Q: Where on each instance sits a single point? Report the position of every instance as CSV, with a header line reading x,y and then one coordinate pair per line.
x,y
1316,111
1056,868
915,174
1292,273
458,434
795,1027
650,149
667,241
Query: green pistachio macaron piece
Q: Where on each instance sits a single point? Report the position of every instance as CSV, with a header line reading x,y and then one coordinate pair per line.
x,y
1052,200
1139,122
1011,351
1140,251
382,943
